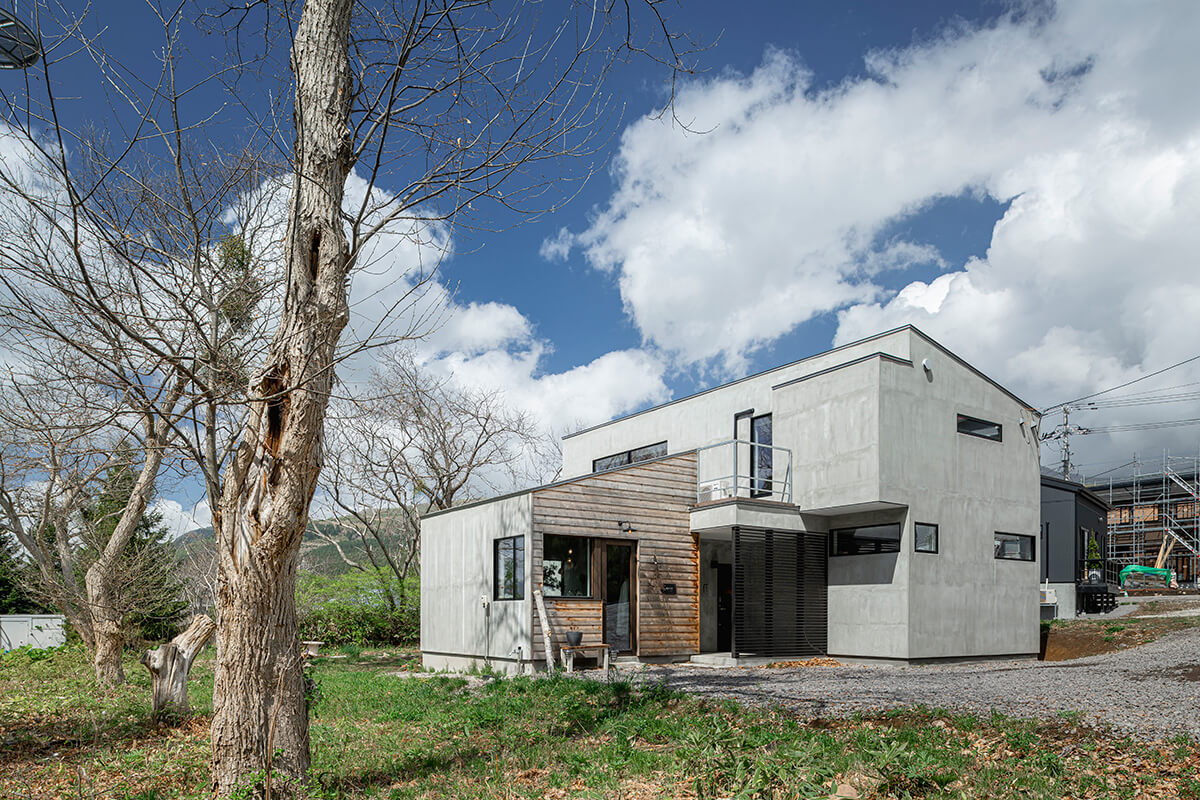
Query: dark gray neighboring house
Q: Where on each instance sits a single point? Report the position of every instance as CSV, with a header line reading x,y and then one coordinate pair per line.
x,y
1073,517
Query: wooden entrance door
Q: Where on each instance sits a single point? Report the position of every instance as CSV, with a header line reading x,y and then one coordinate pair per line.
x,y
619,597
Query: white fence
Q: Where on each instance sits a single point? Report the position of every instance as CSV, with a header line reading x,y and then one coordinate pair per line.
x,y
37,630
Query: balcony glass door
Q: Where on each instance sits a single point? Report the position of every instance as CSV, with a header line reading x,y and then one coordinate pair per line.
x,y
618,597
761,462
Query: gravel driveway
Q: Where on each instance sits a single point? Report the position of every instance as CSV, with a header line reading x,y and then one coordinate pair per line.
x,y
1151,691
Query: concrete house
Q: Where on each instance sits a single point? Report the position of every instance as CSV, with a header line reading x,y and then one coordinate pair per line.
x,y
880,500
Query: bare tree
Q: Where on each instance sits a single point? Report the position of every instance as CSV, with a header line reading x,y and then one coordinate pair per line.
x,y
49,468
446,105
198,574
90,312
135,268
76,474
453,102
416,443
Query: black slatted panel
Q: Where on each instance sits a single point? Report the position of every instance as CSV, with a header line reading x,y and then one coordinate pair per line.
x,y
779,593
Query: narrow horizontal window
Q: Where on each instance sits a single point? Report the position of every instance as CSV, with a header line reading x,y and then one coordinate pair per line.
x,y
646,453
566,566
865,540
980,427
925,537
609,462
509,568
1014,546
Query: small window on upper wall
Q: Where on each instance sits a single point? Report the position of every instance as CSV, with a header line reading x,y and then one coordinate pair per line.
x,y
925,537
648,452
509,566
980,427
1014,546
628,457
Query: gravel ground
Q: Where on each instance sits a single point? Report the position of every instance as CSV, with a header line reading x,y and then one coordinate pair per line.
x,y
1152,691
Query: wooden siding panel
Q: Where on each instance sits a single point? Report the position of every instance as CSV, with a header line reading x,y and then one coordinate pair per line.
x,y
655,499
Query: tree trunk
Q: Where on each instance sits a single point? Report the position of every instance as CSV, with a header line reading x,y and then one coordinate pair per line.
x,y
110,648
107,631
171,663
102,579
260,724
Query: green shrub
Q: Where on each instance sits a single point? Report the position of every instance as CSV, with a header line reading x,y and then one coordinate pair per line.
x,y
360,608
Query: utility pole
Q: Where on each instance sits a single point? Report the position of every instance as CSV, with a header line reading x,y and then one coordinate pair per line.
x,y
1063,432
1066,443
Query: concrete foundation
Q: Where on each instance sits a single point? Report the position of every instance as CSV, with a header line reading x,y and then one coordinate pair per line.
x,y
1066,600
445,662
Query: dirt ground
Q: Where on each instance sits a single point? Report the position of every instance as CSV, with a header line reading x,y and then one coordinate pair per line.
x,y
1147,621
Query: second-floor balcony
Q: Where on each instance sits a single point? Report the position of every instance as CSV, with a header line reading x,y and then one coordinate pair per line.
x,y
739,468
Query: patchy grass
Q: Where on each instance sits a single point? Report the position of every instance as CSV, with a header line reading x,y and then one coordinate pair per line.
x,y
60,736
1071,639
379,734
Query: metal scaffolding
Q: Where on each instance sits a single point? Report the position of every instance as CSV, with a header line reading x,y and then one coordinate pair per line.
x,y
1155,517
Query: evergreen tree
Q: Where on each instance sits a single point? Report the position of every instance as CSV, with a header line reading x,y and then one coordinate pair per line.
x,y
14,599
151,598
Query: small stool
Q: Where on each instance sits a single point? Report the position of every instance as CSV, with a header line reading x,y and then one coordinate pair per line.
x,y
567,654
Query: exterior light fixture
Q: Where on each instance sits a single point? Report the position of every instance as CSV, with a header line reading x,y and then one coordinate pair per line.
x,y
20,47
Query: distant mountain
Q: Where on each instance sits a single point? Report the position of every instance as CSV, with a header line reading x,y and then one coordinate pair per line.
x,y
316,554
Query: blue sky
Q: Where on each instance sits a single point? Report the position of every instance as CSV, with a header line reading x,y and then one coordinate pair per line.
x,y
1020,180
579,309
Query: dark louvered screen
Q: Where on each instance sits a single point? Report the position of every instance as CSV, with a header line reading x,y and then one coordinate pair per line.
x,y
779,591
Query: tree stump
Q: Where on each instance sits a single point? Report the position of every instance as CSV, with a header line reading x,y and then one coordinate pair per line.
x,y
170,664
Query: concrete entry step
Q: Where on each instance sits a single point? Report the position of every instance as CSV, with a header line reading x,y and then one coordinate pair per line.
x,y
714,660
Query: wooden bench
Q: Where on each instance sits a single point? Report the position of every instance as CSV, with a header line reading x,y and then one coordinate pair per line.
x,y
567,653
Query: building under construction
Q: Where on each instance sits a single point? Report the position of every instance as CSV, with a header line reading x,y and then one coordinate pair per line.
x,y
1155,518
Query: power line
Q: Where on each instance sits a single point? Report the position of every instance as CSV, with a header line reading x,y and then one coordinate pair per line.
x,y
1143,426
1121,386
1114,469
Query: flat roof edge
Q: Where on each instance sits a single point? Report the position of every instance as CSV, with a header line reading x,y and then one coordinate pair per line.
x,y
878,354
1055,482
964,363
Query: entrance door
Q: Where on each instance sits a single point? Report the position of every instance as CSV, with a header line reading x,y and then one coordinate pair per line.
x,y
618,597
724,607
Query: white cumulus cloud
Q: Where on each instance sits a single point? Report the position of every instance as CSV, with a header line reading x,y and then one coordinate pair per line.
x,y
178,519
1079,117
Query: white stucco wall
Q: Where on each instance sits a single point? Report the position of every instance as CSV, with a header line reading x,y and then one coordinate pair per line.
x,y
707,418
970,487
830,422
456,576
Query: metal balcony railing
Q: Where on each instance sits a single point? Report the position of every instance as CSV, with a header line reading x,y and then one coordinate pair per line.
x,y
740,468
